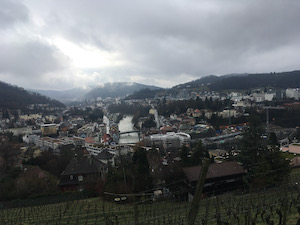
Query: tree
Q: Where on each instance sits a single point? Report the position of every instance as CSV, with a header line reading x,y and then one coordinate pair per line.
x,y
273,141
9,153
120,178
143,179
194,156
273,170
265,163
155,165
149,122
5,114
198,154
252,145
96,114
184,155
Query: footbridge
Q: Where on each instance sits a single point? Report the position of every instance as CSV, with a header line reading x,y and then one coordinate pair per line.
x,y
131,132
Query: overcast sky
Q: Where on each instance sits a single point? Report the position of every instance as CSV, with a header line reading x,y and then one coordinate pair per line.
x,y
61,44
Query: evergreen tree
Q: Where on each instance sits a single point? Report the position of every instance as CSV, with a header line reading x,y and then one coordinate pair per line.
x,y
273,139
149,122
198,153
265,163
194,156
274,170
184,155
143,179
252,145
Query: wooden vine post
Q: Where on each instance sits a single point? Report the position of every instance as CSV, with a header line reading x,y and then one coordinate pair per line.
x,y
198,191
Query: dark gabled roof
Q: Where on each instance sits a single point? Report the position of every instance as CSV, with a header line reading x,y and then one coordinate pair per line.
x,y
105,154
215,170
83,165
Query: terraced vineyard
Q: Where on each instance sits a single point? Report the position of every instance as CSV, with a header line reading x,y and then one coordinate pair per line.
x,y
260,208
273,206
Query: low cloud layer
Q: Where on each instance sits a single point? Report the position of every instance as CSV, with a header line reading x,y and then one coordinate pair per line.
x,y
63,44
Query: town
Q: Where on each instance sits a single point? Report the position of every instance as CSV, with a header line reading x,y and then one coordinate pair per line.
x,y
149,112
83,145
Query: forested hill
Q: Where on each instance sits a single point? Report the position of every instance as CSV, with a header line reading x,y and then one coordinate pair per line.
x,y
117,89
13,97
246,81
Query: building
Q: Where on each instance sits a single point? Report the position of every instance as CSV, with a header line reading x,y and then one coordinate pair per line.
x,y
49,129
258,97
208,114
220,177
93,149
46,143
21,130
107,157
30,117
189,111
292,148
170,140
81,173
292,93
270,96
86,130
31,139
197,113
102,129
226,113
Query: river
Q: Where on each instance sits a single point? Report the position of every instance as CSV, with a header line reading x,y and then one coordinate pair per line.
x,y
125,125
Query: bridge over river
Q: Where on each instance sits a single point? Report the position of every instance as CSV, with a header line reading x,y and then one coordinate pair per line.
x,y
128,133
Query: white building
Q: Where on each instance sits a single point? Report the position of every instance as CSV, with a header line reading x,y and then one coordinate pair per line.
x,y
242,104
270,96
227,113
31,139
258,97
53,143
93,149
292,93
171,139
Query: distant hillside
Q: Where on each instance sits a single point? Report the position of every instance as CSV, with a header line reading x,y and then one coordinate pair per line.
x,y
276,80
245,81
146,93
13,97
117,89
65,96
199,82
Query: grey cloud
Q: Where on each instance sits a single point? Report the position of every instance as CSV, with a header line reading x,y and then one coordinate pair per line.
x,y
30,60
232,23
12,12
165,39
